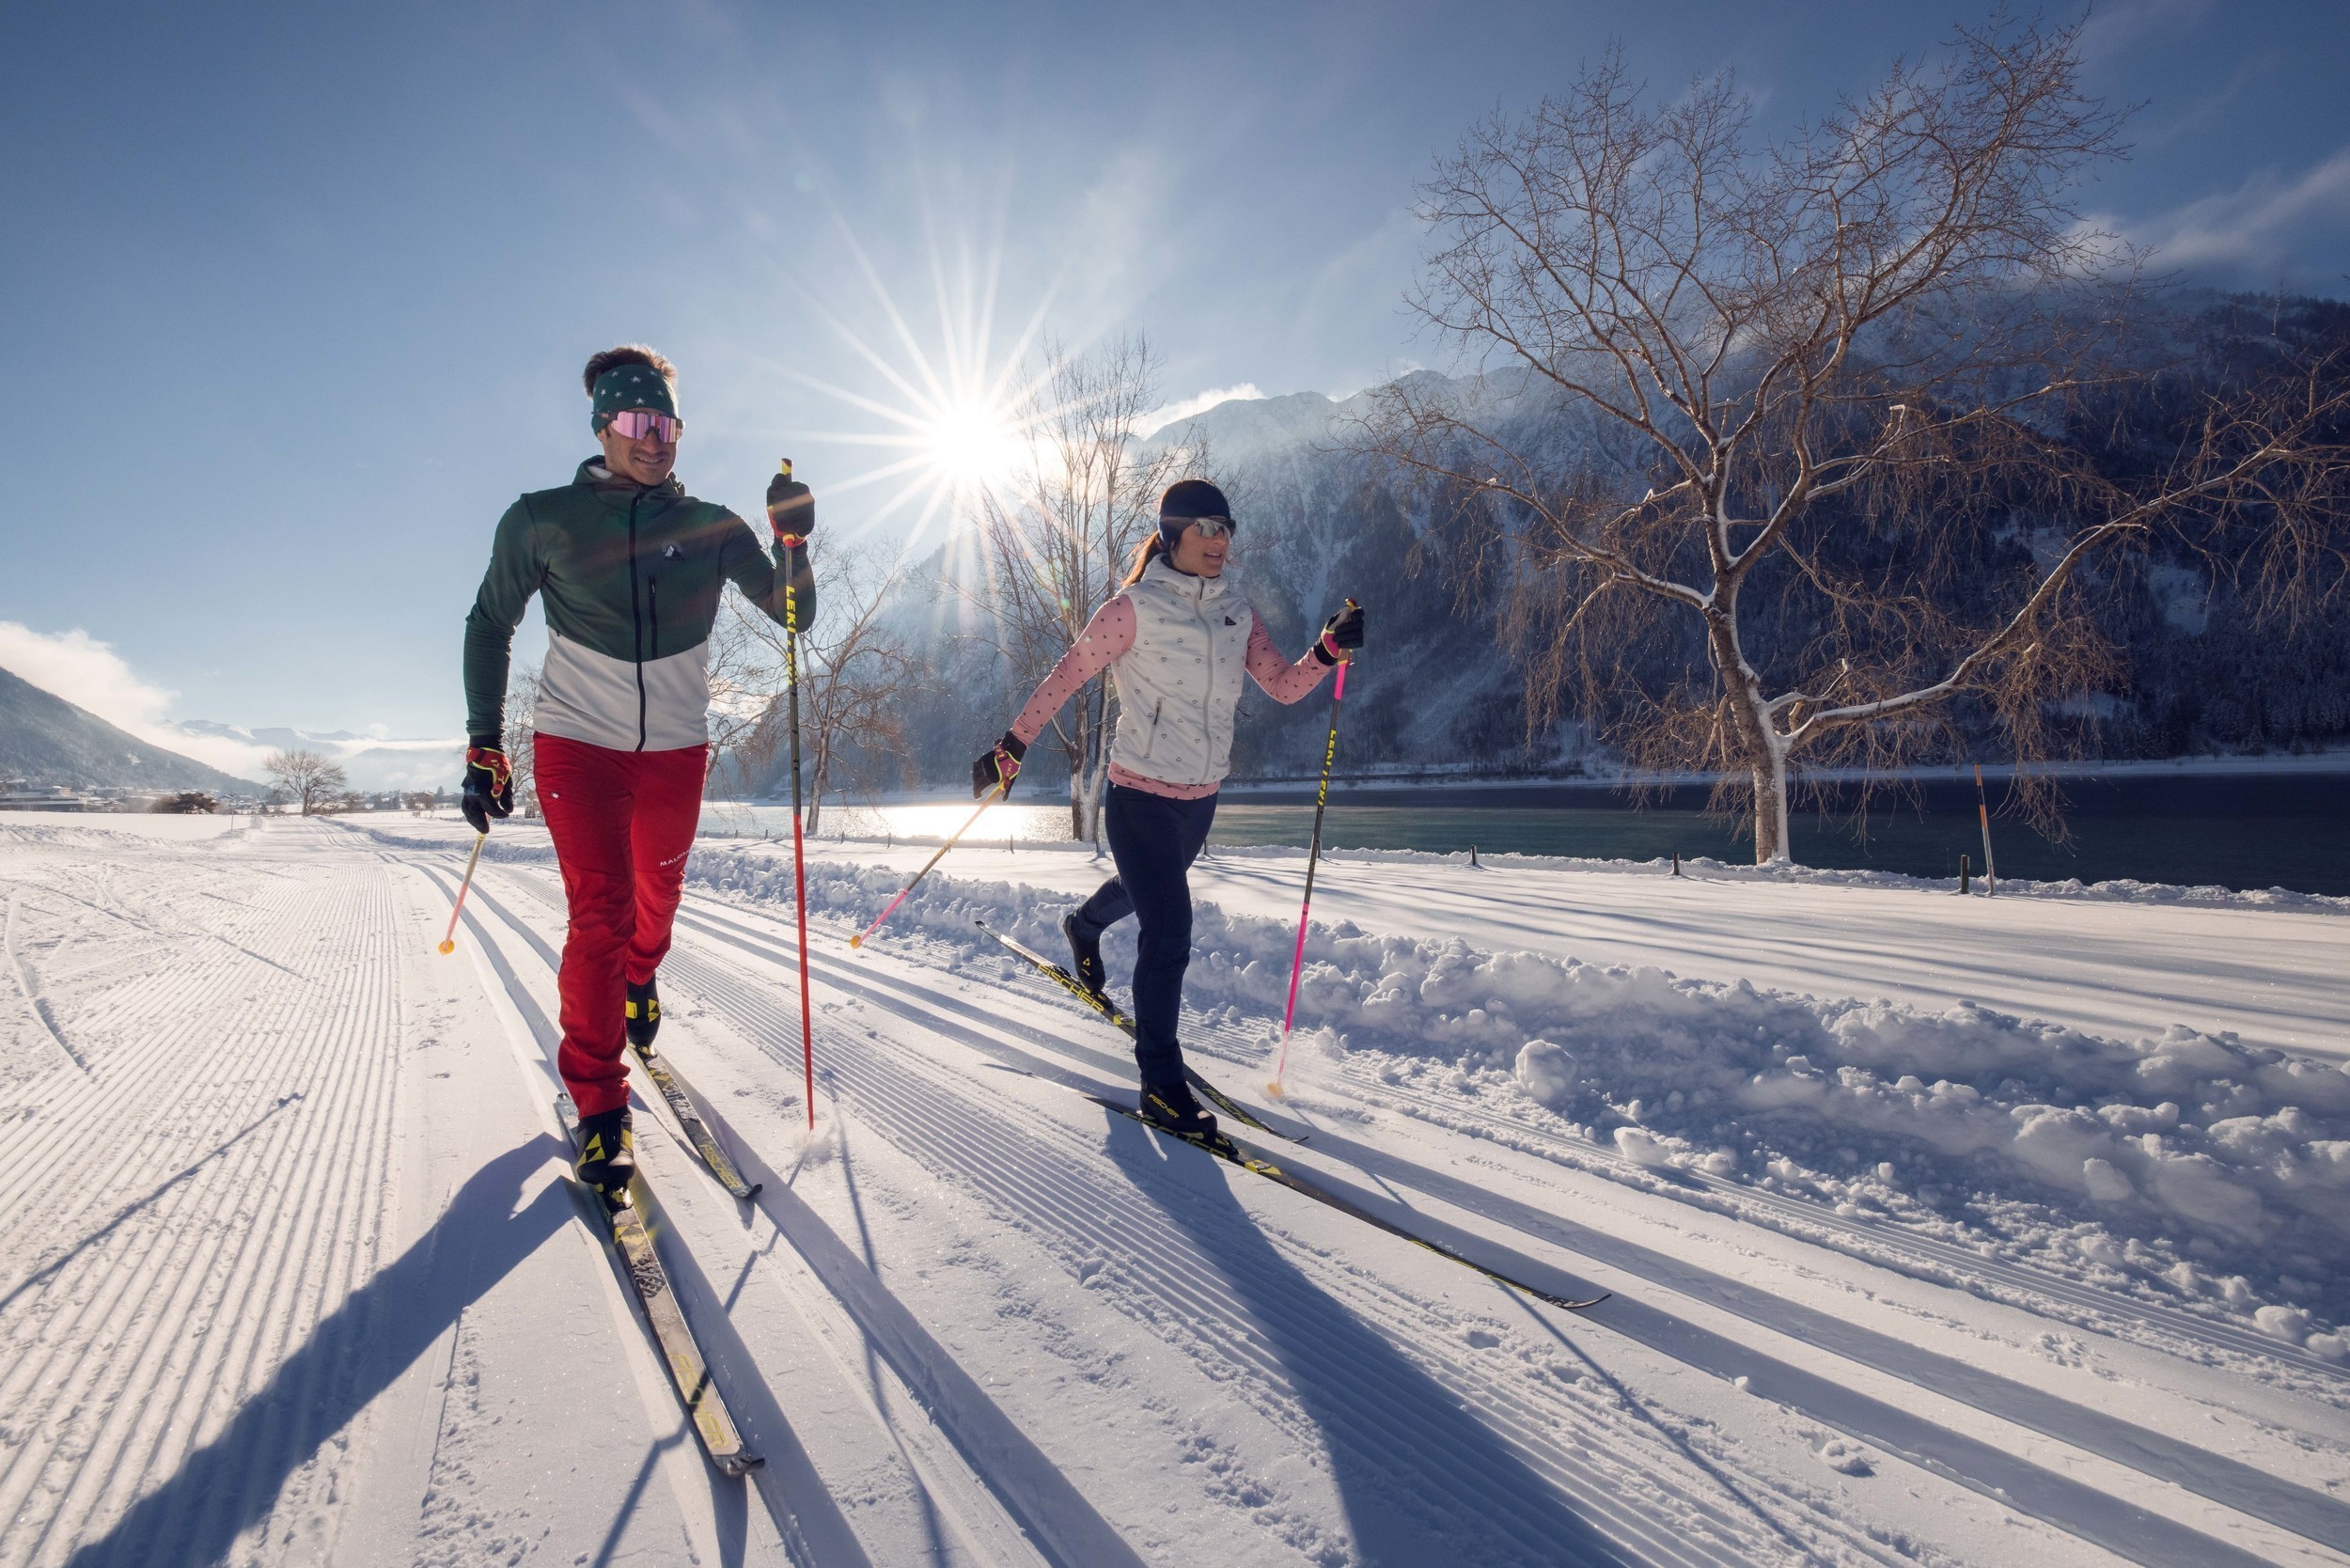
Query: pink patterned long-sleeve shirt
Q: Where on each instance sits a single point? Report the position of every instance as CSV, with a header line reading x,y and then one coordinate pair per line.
x,y
1110,636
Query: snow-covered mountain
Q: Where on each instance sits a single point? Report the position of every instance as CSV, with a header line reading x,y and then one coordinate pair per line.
x,y
47,740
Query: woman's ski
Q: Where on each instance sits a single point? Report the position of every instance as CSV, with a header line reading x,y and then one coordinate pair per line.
x,y
1234,1153
689,1373
1108,1009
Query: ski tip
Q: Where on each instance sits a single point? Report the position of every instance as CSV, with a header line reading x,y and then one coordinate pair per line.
x,y
734,1467
752,1191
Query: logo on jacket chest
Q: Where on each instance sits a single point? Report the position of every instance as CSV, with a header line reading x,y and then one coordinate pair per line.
x,y
670,552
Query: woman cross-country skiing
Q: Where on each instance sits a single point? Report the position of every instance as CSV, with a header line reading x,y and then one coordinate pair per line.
x,y
631,569
1177,638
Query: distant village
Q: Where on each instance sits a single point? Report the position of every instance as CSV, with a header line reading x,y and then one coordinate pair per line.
x,y
19,794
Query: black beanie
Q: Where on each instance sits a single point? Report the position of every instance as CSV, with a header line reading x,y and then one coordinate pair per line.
x,y
1185,500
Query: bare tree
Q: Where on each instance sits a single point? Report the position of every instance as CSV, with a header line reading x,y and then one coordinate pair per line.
x,y
1805,407
1057,537
855,671
310,781
522,755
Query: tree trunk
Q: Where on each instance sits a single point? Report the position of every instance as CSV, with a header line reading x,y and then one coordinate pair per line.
x,y
1758,737
815,795
1771,845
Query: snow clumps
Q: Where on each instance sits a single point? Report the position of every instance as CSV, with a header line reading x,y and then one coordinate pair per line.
x,y
2190,1162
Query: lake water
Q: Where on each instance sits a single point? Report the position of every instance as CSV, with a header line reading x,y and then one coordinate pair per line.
x,y
2255,830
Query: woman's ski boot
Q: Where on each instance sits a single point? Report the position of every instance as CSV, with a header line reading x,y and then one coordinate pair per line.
x,y
1085,950
1171,1106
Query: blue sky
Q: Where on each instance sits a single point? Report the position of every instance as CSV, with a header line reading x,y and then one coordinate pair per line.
x,y
300,294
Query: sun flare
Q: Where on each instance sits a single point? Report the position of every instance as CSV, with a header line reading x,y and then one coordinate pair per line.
x,y
974,445
953,406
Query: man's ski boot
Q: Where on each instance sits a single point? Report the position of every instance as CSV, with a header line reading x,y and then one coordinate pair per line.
x,y
1172,1107
1085,948
643,1014
607,1154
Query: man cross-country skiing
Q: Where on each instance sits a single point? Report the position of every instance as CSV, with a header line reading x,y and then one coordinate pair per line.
x,y
1177,638
631,569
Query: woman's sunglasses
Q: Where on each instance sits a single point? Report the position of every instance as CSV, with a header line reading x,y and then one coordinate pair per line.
x,y
1212,527
635,424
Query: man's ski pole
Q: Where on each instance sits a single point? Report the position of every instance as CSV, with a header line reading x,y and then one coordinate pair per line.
x,y
448,939
799,865
1313,853
992,796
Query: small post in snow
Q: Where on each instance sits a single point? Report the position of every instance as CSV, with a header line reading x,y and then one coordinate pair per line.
x,y
1962,868
1982,809
1473,865
1676,862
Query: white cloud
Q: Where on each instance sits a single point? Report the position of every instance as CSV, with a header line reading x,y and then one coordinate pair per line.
x,y
2249,227
91,675
1166,413
86,672
2114,30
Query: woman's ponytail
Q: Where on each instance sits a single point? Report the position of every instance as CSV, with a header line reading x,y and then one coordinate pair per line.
x,y
1151,546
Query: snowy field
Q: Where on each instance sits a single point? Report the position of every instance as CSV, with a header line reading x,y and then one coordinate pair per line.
x,y
1938,1230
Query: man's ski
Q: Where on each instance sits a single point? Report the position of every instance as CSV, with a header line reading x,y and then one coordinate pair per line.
x,y
1108,1009
1234,1153
698,1132
689,1374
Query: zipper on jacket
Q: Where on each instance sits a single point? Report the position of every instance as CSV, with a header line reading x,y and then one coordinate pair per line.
x,y
1151,737
636,621
1207,690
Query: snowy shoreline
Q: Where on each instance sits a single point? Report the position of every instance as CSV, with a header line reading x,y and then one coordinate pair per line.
x,y
2317,763
2121,890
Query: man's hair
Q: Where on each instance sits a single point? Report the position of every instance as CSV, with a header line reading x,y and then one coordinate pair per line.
x,y
627,353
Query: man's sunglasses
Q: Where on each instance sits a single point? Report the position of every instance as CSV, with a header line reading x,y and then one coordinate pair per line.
x,y
1212,527
635,424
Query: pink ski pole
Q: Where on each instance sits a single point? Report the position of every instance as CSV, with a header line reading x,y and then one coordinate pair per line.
x,y
992,796
1313,855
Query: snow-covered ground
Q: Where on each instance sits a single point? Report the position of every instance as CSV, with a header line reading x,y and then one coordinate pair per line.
x,y
1939,1230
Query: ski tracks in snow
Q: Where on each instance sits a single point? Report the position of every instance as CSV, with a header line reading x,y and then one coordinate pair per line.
x,y
1626,1477
260,1317
214,1182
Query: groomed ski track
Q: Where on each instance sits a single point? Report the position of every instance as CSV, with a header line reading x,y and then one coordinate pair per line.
x,y
324,1296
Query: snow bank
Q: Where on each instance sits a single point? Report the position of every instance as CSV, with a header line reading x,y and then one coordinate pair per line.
x,y
2190,1159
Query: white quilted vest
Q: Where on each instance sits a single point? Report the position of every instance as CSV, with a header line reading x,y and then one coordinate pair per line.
x,y
1179,686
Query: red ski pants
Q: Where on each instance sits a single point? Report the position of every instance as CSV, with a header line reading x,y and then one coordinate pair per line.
x,y
622,823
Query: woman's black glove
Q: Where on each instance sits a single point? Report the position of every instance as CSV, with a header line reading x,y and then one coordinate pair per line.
x,y
489,788
1340,634
790,508
1000,764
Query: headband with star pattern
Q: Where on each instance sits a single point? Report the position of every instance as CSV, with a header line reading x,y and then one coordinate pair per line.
x,y
625,386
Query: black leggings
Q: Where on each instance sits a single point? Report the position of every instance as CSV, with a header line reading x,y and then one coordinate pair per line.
x,y
1154,840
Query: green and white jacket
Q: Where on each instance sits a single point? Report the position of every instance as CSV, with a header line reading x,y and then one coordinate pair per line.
x,y
631,578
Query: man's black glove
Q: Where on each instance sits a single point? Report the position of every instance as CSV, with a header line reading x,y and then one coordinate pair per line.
x,y
791,508
1340,634
488,787
998,764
